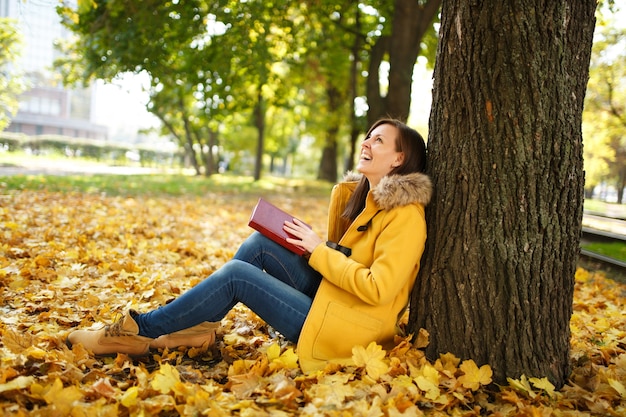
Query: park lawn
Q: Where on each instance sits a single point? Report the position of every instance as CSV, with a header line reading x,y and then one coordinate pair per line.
x,y
615,250
73,256
162,184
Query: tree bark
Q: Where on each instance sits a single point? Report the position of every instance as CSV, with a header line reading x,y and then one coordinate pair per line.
x,y
505,154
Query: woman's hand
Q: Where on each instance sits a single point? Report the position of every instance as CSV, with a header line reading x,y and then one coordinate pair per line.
x,y
304,236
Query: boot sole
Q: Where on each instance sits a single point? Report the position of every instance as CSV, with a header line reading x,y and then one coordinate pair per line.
x,y
114,354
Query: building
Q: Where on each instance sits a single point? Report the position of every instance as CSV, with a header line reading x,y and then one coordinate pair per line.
x,y
47,107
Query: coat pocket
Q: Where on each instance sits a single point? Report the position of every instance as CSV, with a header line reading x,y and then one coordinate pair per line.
x,y
341,329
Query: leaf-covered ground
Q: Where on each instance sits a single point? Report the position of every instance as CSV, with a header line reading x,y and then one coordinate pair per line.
x,y
74,259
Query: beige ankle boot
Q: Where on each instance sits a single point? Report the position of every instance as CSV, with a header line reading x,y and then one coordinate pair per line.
x,y
196,336
119,337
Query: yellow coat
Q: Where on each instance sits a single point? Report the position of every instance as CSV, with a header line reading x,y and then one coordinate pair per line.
x,y
361,297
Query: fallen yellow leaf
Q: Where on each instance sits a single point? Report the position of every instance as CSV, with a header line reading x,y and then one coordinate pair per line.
x,y
165,379
371,358
474,376
129,398
20,382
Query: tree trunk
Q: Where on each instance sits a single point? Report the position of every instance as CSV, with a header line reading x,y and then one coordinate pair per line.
x,y
621,183
505,154
259,122
376,102
355,129
210,166
411,20
328,165
189,140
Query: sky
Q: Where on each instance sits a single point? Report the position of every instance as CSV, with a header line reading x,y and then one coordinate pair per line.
x,y
121,105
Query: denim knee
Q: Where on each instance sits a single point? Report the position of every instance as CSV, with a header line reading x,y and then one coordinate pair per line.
x,y
251,247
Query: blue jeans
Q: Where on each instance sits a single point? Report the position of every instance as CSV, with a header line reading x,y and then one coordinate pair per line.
x,y
275,283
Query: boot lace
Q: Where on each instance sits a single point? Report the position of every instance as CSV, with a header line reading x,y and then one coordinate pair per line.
x,y
115,329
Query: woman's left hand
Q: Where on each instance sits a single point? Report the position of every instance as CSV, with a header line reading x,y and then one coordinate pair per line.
x,y
304,236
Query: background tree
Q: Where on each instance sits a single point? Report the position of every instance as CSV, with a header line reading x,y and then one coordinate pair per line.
x,y
11,83
258,44
219,57
331,82
208,60
605,112
161,38
411,23
354,40
505,154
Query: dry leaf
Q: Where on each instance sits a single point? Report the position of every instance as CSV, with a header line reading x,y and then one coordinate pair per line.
x,y
74,259
371,358
165,379
473,376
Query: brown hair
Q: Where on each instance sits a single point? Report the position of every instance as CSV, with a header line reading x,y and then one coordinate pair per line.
x,y
408,141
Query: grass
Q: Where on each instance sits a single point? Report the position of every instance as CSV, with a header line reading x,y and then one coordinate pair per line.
x,y
161,184
615,250
174,184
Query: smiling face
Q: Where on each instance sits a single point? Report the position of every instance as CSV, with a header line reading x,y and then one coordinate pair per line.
x,y
379,154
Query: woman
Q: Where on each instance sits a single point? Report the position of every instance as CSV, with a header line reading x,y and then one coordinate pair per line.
x,y
350,291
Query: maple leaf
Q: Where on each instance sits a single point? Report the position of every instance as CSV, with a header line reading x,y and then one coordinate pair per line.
x,y
522,385
371,358
165,379
244,385
543,384
72,259
402,345
287,360
511,396
581,275
428,381
473,376
447,364
422,339
17,342
330,391
273,352
285,390
104,388
34,352
130,397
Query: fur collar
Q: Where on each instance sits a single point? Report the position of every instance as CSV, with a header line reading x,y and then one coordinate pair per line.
x,y
399,190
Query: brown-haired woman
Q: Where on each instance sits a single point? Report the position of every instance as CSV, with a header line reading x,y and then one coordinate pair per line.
x,y
349,290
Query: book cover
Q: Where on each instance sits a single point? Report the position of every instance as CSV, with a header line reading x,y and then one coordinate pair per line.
x,y
269,220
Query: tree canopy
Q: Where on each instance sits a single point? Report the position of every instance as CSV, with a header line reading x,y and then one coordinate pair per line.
x,y
211,63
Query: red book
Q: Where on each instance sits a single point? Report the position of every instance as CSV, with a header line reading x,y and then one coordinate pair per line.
x,y
269,220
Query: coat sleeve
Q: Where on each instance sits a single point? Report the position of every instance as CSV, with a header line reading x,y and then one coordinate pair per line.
x,y
396,245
